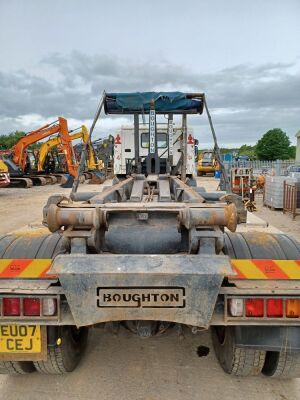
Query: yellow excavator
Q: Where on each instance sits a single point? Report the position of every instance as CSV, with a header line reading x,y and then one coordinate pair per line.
x,y
92,164
4,175
207,163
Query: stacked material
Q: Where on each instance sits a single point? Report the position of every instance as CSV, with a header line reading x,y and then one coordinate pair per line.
x,y
274,190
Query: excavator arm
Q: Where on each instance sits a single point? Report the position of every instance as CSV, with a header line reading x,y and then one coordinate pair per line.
x,y
91,162
20,149
47,146
44,150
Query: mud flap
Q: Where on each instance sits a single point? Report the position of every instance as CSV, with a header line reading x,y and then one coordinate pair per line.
x,y
176,288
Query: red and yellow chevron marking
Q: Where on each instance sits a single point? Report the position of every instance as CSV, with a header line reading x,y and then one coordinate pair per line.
x,y
25,268
266,269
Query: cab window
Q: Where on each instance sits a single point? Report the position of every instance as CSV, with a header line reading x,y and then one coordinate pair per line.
x,y
162,142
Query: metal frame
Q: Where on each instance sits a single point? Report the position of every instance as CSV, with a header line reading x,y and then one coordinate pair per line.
x,y
290,198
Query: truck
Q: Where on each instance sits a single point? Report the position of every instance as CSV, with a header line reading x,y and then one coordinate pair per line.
x,y
150,251
124,150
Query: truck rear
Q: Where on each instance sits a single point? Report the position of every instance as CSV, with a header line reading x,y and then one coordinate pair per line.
x,y
149,252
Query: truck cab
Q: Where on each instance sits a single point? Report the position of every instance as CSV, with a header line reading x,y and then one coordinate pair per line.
x,y
168,148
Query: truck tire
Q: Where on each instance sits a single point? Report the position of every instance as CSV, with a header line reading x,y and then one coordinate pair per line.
x,y
65,356
283,364
16,367
236,360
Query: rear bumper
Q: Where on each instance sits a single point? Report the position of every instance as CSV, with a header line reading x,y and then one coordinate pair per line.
x,y
176,288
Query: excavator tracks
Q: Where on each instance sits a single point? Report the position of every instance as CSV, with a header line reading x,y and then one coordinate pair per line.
x,y
24,183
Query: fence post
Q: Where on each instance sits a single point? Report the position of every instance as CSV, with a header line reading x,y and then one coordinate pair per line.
x,y
278,167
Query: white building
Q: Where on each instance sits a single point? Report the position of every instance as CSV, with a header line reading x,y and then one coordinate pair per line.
x,y
298,146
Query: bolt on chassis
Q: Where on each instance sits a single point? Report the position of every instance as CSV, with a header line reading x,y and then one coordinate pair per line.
x,y
150,250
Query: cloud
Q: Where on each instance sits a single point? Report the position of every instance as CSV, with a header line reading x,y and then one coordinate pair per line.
x,y
245,100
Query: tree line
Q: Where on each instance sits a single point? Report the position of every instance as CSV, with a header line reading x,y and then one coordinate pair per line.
x,y
273,145
8,141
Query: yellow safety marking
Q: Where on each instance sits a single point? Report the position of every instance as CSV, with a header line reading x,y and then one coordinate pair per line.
x,y
290,267
248,269
36,268
4,264
266,269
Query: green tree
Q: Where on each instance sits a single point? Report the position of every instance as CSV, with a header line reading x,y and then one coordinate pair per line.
x,y
292,152
274,145
247,150
8,141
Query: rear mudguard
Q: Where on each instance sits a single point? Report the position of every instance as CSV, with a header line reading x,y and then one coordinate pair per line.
x,y
176,288
270,338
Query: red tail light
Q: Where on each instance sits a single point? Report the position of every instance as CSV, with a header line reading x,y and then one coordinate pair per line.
x,y
274,308
254,307
31,307
11,306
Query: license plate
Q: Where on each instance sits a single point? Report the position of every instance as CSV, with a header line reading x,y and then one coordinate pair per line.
x,y
20,339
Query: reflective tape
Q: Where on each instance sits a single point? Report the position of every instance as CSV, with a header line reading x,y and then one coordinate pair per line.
x,y
25,268
266,269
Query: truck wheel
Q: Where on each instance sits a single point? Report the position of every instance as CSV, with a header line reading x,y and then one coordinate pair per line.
x,y
283,364
66,353
234,360
16,367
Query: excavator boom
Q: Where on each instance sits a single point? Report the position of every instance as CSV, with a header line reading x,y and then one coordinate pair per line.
x,y
20,149
56,141
47,146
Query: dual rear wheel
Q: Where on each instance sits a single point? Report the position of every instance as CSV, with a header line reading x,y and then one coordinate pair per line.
x,y
63,355
67,343
240,361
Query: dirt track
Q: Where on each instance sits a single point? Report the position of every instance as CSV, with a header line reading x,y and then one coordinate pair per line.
x,y
125,367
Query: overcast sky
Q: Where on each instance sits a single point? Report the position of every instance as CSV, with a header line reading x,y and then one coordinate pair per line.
x,y
57,56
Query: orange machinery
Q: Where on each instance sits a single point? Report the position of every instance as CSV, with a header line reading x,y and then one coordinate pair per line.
x,y
19,154
19,151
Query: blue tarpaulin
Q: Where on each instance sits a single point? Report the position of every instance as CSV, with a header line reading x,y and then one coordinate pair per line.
x,y
141,102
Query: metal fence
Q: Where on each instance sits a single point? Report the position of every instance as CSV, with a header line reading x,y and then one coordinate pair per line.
x,y
278,167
